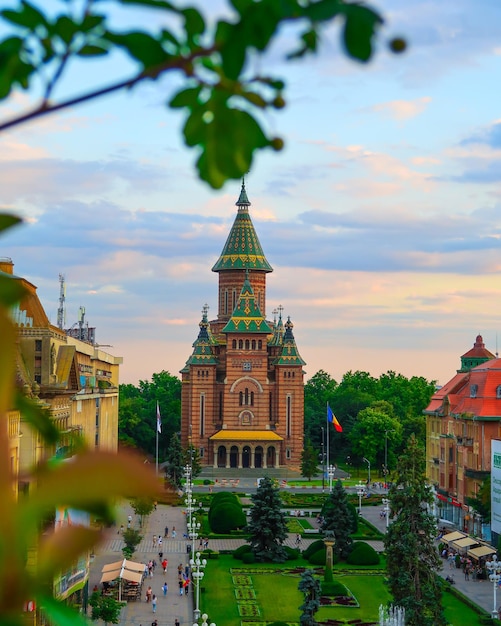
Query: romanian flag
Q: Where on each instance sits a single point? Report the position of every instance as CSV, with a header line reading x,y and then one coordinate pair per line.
x,y
333,420
159,420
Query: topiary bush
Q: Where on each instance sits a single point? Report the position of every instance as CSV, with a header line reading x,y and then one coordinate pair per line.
x,y
240,551
363,554
292,553
248,557
318,557
227,516
313,547
334,588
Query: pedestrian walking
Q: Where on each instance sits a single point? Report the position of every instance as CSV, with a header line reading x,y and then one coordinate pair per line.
x,y
154,603
159,542
154,541
186,585
165,588
165,563
176,622
180,586
166,532
153,623
149,593
174,532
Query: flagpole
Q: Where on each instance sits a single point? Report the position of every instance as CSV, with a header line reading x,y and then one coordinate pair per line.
x,y
156,458
327,418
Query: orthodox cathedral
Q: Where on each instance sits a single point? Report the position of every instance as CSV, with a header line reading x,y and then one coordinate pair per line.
x,y
243,385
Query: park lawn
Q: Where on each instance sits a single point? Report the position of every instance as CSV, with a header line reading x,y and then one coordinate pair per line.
x,y
457,612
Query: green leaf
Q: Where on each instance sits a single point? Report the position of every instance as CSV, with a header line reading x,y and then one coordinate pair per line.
x,y
232,49
91,21
28,16
194,23
141,46
186,98
60,613
59,550
38,417
7,221
13,70
89,50
11,290
64,28
359,29
157,4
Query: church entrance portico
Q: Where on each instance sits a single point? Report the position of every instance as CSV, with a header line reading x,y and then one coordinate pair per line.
x,y
232,449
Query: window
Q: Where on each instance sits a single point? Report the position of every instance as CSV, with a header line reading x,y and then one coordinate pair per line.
x,y
234,344
253,344
473,391
288,453
201,452
247,344
247,367
38,345
240,344
260,344
498,391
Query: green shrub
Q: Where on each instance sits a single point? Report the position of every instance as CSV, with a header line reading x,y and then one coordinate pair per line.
x,y
240,551
363,554
334,588
278,624
292,553
248,557
227,516
313,547
207,481
318,557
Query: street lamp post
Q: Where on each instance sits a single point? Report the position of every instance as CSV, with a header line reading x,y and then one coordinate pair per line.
x,y
494,568
205,617
369,468
386,456
360,493
330,473
193,530
386,503
197,566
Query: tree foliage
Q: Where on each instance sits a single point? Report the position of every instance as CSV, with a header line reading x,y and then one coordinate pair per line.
x,y
105,608
412,556
338,518
175,462
267,526
142,507
220,92
137,413
311,588
309,461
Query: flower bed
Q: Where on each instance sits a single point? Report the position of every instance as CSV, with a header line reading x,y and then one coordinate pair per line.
x,y
248,610
245,593
242,581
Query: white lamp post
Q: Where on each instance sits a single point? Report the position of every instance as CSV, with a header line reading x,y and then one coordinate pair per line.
x,y
494,568
360,493
330,473
205,617
386,503
369,468
197,566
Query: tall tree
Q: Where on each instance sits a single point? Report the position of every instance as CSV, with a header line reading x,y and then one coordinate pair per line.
x,y
339,518
318,390
412,557
310,587
309,461
174,467
191,457
137,413
142,507
267,525
105,608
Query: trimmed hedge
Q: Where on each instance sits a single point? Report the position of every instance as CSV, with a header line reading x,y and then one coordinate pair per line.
x,y
248,557
226,516
318,557
240,551
334,588
313,547
292,553
363,554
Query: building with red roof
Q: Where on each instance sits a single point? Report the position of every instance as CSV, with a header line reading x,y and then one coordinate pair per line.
x,y
463,417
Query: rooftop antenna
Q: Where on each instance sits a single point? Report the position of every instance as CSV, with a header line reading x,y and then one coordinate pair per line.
x,y
61,312
497,353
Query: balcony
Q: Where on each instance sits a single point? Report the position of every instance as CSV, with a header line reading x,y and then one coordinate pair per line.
x,y
476,474
467,442
436,460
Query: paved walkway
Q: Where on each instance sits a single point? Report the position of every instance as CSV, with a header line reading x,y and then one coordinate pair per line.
x,y
173,605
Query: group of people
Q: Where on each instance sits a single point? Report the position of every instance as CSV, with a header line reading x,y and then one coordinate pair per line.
x,y
471,570
183,579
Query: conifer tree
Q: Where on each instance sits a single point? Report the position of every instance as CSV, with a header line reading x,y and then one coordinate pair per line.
x,y
175,461
310,586
338,518
412,557
309,461
267,526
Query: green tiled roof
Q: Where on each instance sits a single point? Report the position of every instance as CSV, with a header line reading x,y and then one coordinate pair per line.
x,y
202,347
246,316
242,248
290,354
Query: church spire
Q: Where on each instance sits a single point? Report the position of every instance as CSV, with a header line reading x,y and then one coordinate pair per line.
x,y
247,317
290,354
242,248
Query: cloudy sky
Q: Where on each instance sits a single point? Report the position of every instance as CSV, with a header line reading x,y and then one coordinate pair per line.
x,y
381,218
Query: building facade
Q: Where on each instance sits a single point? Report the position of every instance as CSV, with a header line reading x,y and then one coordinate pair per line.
x,y
463,417
243,385
77,383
